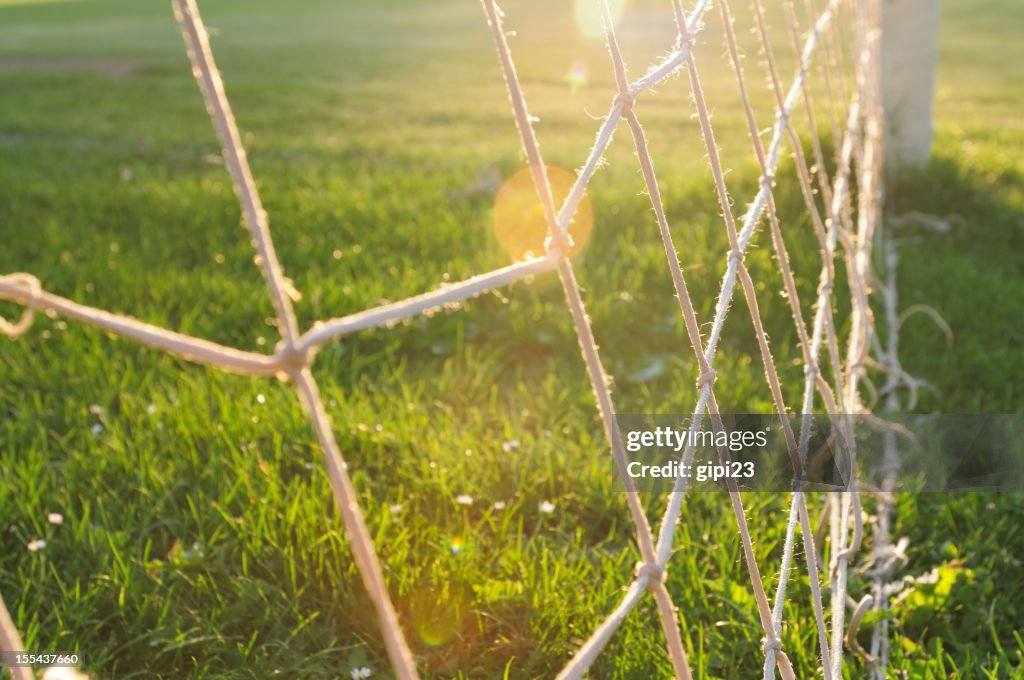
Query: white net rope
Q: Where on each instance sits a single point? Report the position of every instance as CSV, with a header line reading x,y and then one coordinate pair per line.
x,y
842,45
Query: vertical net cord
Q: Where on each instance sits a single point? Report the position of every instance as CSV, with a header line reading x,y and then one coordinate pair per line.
x,y
682,294
859,275
360,540
846,505
706,373
772,643
890,464
838,212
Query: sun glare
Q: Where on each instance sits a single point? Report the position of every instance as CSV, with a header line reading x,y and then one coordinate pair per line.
x,y
436,614
519,220
588,16
577,75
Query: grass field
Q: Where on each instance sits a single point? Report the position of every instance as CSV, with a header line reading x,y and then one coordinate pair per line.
x,y
199,535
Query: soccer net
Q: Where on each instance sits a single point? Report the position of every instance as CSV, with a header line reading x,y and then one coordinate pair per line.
x,y
835,48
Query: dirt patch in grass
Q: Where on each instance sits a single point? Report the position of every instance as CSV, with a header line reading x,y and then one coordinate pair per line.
x,y
113,68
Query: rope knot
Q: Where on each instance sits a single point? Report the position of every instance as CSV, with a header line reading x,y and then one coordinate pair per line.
x,y
736,256
773,644
708,377
560,243
35,290
291,359
627,99
652,570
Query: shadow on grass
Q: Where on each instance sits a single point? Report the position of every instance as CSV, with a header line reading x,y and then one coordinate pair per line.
x,y
967,265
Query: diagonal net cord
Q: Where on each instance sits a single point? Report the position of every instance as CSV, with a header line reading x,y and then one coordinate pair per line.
x,y
750,296
10,642
822,324
682,294
810,367
295,361
771,642
623,106
295,353
650,573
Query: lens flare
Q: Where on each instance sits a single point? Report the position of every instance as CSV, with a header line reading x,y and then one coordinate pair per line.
x,y
519,220
589,20
577,75
437,614
456,545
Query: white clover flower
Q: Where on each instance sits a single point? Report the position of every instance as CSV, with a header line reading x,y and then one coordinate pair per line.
x,y
36,545
547,507
96,429
151,409
395,508
510,445
464,499
358,673
55,518
499,505
96,409
261,398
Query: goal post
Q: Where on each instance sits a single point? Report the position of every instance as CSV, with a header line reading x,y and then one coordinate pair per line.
x,y
909,49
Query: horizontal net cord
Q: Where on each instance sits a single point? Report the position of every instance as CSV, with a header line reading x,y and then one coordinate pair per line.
x,y
199,350
325,331
186,346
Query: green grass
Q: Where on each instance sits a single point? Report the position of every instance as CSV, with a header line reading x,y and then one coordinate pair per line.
x,y
200,538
